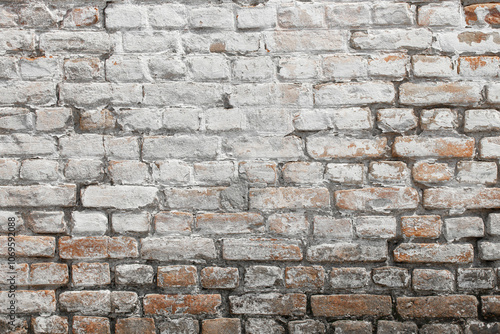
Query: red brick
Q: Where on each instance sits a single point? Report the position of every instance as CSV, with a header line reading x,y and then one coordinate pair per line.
x,y
221,326
49,274
351,305
83,247
490,306
431,172
432,307
455,198
94,325
377,199
177,276
421,226
29,246
135,326
434,253
269,304
492,14
415,146
155,304
122,247
219,278
289,198
305,277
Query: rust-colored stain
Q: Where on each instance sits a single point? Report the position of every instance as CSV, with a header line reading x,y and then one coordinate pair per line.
x,y
472,37
493,16
218,47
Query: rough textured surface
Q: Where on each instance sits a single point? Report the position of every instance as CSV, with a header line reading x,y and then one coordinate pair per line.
x,y
250,166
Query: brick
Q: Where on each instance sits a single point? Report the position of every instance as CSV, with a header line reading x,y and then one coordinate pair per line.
x,y
83,69
90,274
253,69
38,15
221,325
179,147
16,119
134,274
221,43
53,325
17,40
392,277
305,278
289,197
217,17
349,14
172,222
345,173
433,280
349,278
82,17
39,170
306,326
493,224
243,148
219,278
392,66
301,16
416,146
288,224
119,197
86,302
9,169
88,223
467,198
475,278
8,68
124,16
83,247
329,146
439,14
56,274
352,119
304,41
130,223
360,305
388,172
479,66
100,119
177,249
421,226
125,69
166,69
124,302
398,120
474,14
258,172
375,227
434,253
463,227
135,325
329,227
258,277
28,246
97,325
100,94
360,93
177,276
353,327
229,223
84,169
263,326
123,247
457,306
454,93
488,147
24,144
395,39
348,252
438,119
482,120
209,68
155,304
261,249
268,304
82,146
377,199
433,66
22,274
167,16
297,68
180,326
54,42
441,329
431,172
31,301
129,172
40,68
393,14
255,17
387,327
490,306
213,172
52,119
488,251
155,41
172,172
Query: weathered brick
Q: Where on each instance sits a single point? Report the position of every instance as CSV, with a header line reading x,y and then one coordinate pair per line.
x,y
83,247
475,278
98,325
329,146
475,14
434,253
348,14
429,93
493,224
177,249
329,227
213,172
221,325
392,277
31,301
305,278
463,227
52,324
482,120
28,246
438,119
178,326
360,93
306,326
289,197
177,276
388,172
439,14
345,173
488,147
167,16
122,247
259,277
304,41
219,278
172,222
194,198
82,17
9,169
360,305
457,306
490,306
287,148
261,249
119,197
441,329
416,146
348,252
124,302
86,302
395,39
393,14
179,147
268,304
263,326
349,278
431,172
135,325
24,144
433,280
134,274
488,251
288,224
83,69
255,18
375,227
49,274
466,198
433,66
90,274
377,199
352,327
229,223
165,305
421,226
22,274
54,42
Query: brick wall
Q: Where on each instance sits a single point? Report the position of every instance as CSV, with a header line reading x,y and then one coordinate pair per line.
x,y
257,167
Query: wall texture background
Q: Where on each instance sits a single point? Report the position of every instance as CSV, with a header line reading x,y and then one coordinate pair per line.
x,y
252,167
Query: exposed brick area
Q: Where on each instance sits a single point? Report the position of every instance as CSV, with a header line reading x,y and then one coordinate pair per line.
x,y
250,166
